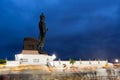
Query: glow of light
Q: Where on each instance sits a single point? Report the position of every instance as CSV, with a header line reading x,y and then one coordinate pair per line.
x,y
20,56
116,60
53,56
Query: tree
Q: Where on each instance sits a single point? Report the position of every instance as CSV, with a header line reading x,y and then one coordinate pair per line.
x,y
2,61
72,61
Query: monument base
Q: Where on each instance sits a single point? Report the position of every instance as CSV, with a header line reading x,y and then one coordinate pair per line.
x,y
43,52
30,52
34,52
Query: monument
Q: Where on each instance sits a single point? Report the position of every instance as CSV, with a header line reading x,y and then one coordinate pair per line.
x,y
42,35
33,53
33,49
33,44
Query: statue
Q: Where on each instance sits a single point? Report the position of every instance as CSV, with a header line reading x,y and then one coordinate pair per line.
x,y
42,35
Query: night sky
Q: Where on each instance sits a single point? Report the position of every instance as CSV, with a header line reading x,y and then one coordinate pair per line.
x,y
85,29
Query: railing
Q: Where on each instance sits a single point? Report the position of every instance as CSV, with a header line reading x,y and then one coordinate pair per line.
x,y
55,77
102,78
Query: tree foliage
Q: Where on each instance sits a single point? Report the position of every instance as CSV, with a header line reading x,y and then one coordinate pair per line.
x,y
2,61
72,61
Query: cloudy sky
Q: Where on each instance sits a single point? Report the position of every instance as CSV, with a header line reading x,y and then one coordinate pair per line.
x,y
85,29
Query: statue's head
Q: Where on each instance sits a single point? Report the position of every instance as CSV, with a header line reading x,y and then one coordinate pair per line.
x,y
42,17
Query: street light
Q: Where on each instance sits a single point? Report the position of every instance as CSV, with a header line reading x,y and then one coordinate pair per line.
x,y
116,60
53,57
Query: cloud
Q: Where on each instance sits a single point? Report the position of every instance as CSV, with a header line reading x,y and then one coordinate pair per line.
x,y
98,44
82,16
79,28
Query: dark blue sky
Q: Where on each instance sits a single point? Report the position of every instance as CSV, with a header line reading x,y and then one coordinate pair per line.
x,y
85,29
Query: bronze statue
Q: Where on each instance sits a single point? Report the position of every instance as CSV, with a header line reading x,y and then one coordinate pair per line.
x,y
34,44
42,35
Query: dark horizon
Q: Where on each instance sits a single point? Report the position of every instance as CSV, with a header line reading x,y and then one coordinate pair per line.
x,y
88,29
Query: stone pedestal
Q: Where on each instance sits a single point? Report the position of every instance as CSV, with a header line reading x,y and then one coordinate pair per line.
x,y
43,52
